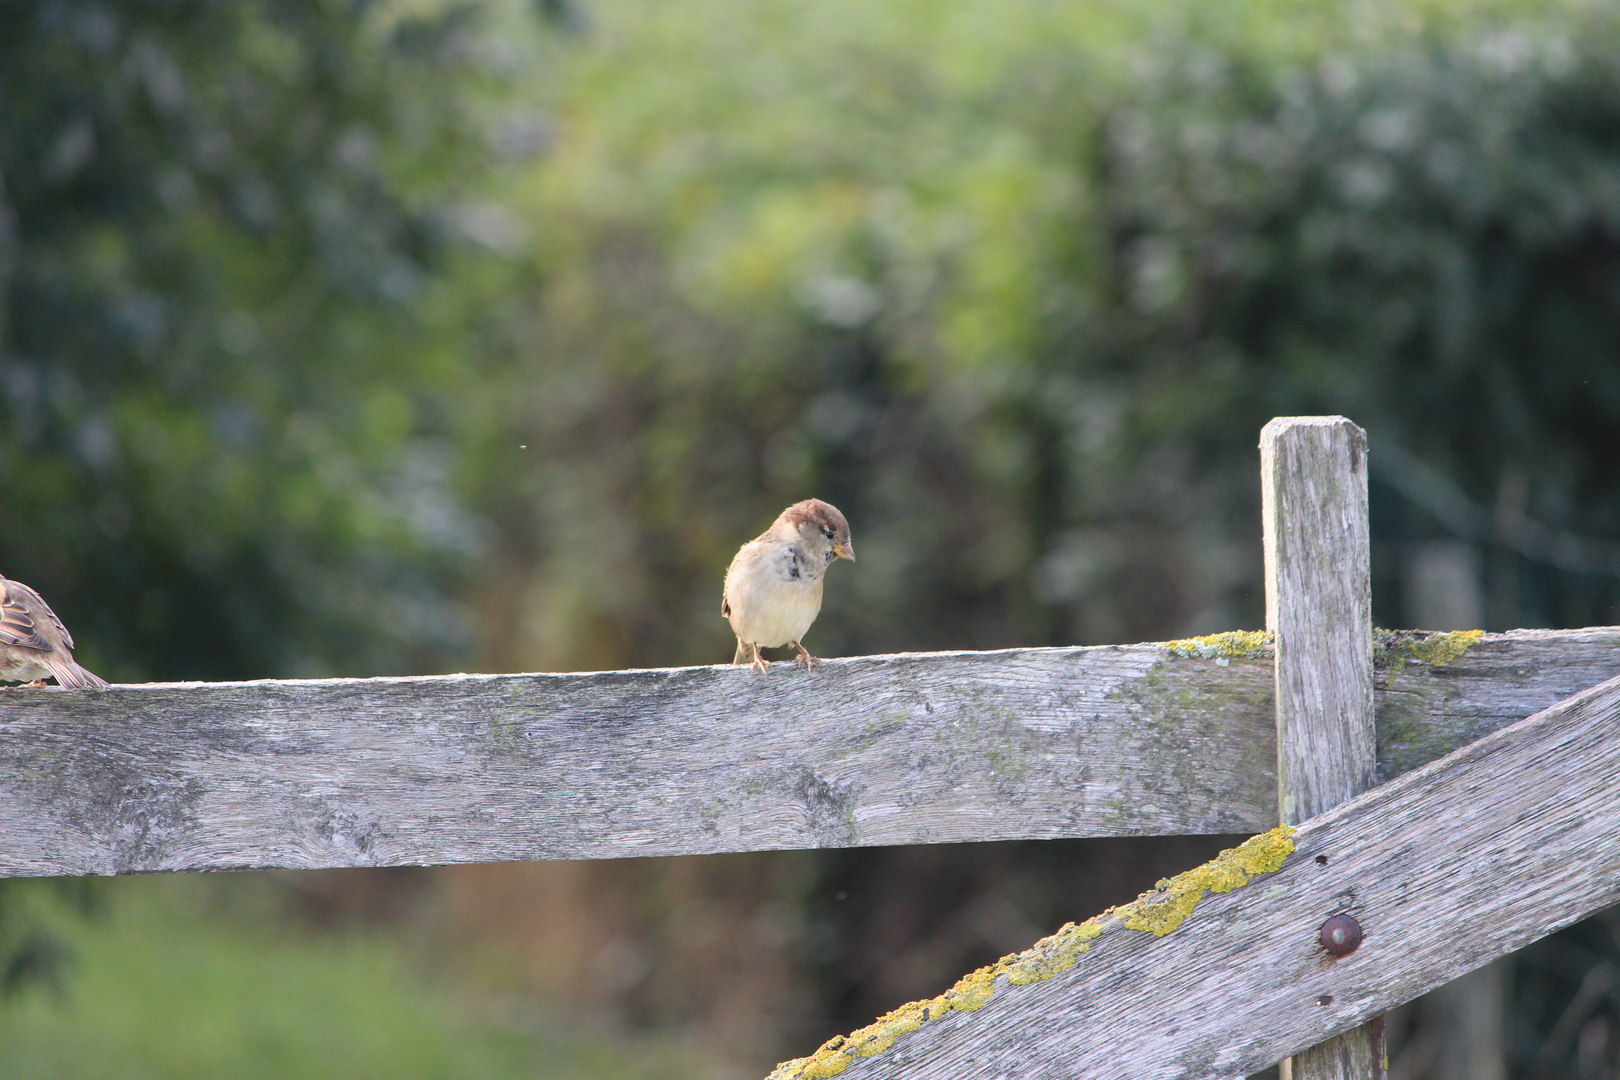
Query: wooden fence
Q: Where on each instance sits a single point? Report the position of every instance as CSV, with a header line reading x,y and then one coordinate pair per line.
x,y
1457,794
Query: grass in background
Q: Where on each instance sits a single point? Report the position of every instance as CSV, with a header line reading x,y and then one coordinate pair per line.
x,y
175,978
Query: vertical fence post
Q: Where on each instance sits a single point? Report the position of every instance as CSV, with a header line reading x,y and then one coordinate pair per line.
x,y
1313,489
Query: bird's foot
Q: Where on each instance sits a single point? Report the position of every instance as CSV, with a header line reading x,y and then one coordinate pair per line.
x,y
37,684
760,664
805,660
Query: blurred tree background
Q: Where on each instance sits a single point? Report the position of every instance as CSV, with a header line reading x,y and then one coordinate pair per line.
x,y
346,337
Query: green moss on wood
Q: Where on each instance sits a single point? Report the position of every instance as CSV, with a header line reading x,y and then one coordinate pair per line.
x,y
1390,647
1412,728
1158,913
1174,703
1226,645
1393,648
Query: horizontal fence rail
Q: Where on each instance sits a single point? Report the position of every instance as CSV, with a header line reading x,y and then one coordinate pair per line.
x,y
1443,870
914,748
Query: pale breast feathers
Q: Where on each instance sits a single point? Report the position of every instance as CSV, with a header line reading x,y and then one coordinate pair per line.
x,y
773,593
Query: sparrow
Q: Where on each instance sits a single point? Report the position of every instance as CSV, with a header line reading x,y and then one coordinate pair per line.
x,y
34,643
773,587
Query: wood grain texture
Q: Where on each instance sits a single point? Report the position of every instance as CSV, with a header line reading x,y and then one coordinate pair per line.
x,y
881,750
1318,563
1449,866
1313,490
1358,1054
1035,743
1425,711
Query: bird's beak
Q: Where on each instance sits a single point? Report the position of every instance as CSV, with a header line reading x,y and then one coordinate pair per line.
x,y
845,551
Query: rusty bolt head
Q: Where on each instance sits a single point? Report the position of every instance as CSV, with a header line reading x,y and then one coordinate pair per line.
x,y
1341,935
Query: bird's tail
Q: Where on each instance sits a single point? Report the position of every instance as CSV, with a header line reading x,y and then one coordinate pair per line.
x,y
745,653
70,676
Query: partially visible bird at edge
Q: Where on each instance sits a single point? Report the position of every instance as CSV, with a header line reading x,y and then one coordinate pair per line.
x,y
33,642
773,586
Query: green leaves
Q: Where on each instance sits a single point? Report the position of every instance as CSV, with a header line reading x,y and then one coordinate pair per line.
x,y
287,285
223,218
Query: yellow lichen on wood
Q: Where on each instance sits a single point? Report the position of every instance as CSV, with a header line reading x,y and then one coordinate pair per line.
x,y
1225,645
825,1062
879,1035
1162,911
1391,648
1053,955
1430,647
971,991
1158,913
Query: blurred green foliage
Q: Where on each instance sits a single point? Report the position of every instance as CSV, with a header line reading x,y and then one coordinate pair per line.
x,y
200,977
1017,286
223,446
380,337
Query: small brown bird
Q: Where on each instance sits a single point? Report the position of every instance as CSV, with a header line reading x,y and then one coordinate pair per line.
x,y
773,586
34,643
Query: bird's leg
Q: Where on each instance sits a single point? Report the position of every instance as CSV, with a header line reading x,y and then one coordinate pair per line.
x,y
39,683
805,660
760,664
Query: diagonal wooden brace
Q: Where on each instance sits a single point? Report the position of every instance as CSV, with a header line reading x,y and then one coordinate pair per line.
x,y
1446,868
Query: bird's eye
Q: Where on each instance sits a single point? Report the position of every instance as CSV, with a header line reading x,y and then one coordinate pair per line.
x,y
828,533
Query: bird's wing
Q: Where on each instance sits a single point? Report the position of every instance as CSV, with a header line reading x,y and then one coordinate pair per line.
x,y
61,628
741,565
18,606
69,674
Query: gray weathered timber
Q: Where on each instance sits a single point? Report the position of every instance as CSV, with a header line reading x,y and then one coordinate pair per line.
x,y
1313,493
1319,611
377,772
880,750
1424,712
1358,1054
1449,866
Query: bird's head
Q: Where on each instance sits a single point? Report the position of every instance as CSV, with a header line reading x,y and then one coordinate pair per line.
x,y
820,529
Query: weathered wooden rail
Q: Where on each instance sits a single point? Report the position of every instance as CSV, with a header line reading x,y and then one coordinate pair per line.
x,y
1449,861
909,749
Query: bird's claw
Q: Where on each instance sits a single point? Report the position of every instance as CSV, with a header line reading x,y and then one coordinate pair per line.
x,y
760,664
804,659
